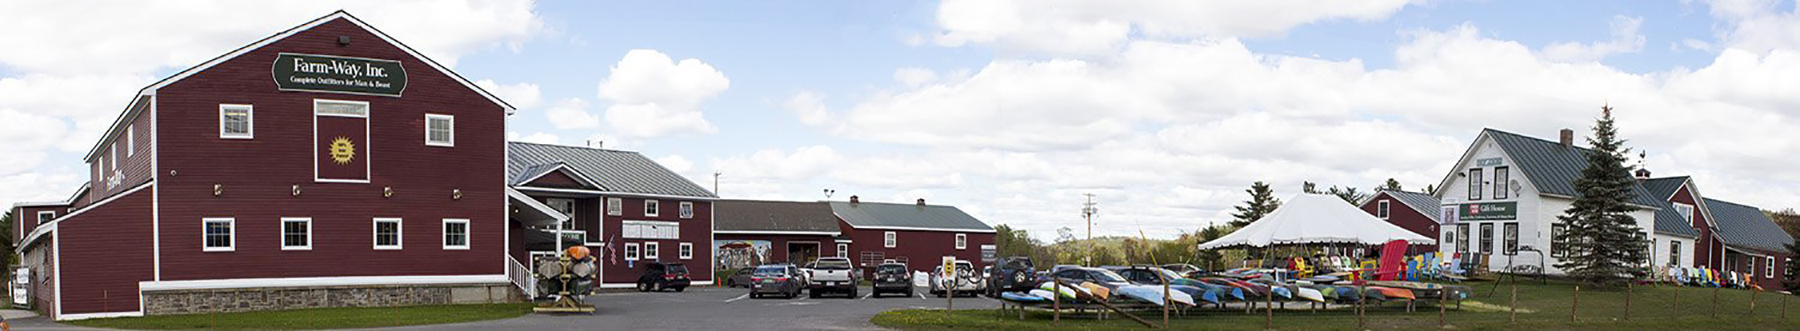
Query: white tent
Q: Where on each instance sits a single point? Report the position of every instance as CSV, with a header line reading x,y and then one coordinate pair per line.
x,y
1314,219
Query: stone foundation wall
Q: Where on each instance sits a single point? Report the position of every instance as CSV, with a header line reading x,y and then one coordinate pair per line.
x,y
279,298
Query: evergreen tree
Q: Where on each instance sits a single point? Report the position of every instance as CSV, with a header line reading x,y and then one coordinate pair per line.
x,y
1791,278
1309,187
1349,194
1262,202
1211,258
1431,189
1391,185
1605,243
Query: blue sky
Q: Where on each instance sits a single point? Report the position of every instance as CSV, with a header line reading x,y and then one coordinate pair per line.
x,y
1011,110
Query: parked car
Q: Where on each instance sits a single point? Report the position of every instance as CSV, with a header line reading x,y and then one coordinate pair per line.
x,y
1186,270
966,281
1013,274
832,274
892,278
806,271
1103,277
783,280
741,277
664,275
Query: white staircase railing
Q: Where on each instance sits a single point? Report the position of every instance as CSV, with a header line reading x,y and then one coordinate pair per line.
x,y
521,276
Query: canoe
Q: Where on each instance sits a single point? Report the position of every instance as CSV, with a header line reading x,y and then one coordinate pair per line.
x,y
1154,294
1394,293
1197,293
1280,290
1244,290
1022,297
1310,294
1097,291
1222,291
1326,291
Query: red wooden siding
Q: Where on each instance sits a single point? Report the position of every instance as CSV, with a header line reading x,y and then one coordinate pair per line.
x,y
923,250
1707,248
556,179
257,175
133,167
25,219
696,230
1404,216
106,252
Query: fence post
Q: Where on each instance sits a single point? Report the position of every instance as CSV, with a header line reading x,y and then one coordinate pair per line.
x,y
1753,302
1056,305
1360,297
1576,306
1676,306
1628,290
1715,305
1442,293
1513,307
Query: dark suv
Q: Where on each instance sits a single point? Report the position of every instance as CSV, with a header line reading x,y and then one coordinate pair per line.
x,y
892,278
664,275
1013,274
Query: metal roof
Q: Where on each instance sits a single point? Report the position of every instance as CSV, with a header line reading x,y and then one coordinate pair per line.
x,y
1664,188
773,216
1553,169
1421,202
1747,226
1667,220
907,217
615,171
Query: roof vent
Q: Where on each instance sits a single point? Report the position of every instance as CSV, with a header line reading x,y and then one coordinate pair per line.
x,y
921,202
343,40
1568,138
853,200
1643,174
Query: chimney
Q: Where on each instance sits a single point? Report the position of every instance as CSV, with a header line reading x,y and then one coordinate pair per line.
x,y
853,200
921,202
1568,138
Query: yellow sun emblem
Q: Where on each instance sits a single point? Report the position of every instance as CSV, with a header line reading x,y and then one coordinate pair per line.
x,y
342,150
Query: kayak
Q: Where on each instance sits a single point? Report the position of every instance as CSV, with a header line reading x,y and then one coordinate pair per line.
x,y
1279,289
1222,292
1310,294
1097,291
1154,294
1247,290
1043,293
1068,292
1197,293
1394,293
1022,297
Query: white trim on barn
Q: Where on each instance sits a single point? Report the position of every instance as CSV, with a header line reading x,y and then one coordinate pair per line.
x,y
210,284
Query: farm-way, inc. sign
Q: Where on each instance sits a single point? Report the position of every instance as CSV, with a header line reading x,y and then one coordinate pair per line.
x,y
324,73
1488,211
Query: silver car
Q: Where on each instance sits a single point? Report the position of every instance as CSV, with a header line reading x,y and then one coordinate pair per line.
x,y
968,280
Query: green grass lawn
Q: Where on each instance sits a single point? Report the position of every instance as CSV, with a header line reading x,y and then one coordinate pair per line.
x,y
317,318
1541,307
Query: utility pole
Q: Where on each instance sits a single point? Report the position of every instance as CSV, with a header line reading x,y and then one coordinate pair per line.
x,y
1087,213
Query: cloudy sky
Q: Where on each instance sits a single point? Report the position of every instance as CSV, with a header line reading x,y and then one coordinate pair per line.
x,y
1012,110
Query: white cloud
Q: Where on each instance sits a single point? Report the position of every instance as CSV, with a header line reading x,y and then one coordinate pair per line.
x,y
1626,39
1757,25
1101,27
538,137
571,114
676,163
809,106
653,95
520,96
914,77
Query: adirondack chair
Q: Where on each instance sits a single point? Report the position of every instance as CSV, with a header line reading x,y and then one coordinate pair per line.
x,y
1393,261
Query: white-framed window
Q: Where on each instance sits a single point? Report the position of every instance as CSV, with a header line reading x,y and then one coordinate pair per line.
x,y
843,250
650,250
45,216
237,121
114,155
130,140
652,208
1558,246
1674,252
440,130
1381,209
888,239
687,251
1769,270
1509,238
387,233
687,209
1501,175
1686,211
566,207
456,233
615,206
296,233
962,241
631,251
218,234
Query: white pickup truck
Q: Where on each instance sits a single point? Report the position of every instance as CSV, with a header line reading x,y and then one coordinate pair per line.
x,y
832,274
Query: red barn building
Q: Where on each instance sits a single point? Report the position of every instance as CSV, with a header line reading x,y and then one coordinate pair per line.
x,y
1416,212
916,234
1731,236
756,232
627,208
326,165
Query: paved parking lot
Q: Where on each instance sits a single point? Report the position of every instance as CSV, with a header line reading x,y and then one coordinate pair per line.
x,y
721,308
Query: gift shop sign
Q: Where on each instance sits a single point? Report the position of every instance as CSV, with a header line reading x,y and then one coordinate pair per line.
x,y
337,74
1488,211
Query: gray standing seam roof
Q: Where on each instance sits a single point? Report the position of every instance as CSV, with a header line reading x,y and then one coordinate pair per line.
x,y
1663,188
1424,203
1553,169
614,171
756,215
1667,220
875,214
1746,226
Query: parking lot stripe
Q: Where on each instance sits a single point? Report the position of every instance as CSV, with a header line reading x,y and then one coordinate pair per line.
x,y
740,297
866,296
